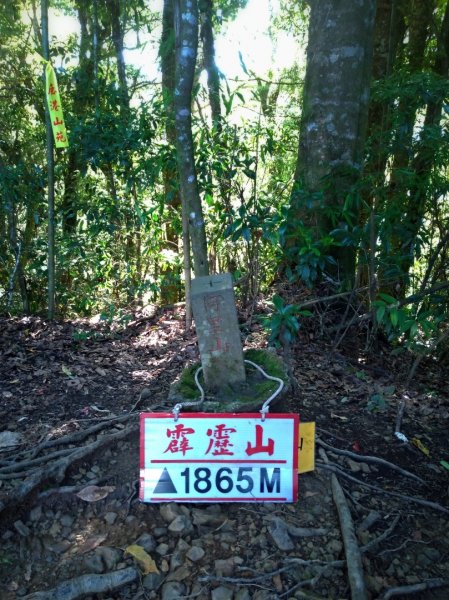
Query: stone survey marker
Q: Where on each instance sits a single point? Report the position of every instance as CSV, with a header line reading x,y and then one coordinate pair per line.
x,y
215,314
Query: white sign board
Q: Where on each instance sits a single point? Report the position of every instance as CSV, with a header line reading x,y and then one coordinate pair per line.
x,y
218,457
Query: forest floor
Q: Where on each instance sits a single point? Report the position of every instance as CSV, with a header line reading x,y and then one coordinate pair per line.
x,y
70,395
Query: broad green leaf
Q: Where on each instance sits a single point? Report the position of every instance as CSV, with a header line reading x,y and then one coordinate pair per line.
x,y
380,313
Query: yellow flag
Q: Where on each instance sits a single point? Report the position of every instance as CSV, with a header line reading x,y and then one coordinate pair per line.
x,y
55,108
306,450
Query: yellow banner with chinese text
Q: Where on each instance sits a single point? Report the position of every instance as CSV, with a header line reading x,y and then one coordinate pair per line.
x,y
306,450
55,108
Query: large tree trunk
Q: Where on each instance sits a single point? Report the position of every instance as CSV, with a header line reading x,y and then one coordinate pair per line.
x,y
186,28
335,109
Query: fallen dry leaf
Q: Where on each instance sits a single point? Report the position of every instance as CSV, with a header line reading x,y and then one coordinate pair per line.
x,y
145,561
93,493
89,544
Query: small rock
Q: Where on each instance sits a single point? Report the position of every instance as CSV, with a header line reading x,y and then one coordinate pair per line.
x,y
179,574
152,581
159,532
334,546
67,520
180,524
55,529
195,553
35,514
225,566
147,541
110,556
173,590
94,563
222,593
22,528
169,512
110,518
162,549
279,532
242,594
60,547
90,475
9,439
354,466
207,517
178,555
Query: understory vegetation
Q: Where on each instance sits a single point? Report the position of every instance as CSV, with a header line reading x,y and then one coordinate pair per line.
x,y
359,242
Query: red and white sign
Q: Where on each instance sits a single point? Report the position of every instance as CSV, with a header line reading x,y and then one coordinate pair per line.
x,y
218,457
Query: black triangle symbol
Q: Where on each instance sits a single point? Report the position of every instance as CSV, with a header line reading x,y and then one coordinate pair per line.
x,y
165,484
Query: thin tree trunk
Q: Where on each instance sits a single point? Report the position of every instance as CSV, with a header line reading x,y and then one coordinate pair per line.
x,y
186,29
51,175
169,290
213,74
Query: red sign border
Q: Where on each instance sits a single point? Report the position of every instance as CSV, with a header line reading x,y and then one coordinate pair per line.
x,y
258,416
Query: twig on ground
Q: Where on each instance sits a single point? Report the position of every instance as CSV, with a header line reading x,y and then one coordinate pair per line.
x,y
370,459
429,584
87,585
427,503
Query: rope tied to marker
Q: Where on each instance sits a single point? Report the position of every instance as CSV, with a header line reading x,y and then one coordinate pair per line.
x,y
265,406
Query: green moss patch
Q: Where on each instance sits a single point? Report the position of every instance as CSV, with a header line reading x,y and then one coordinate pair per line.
x,y
236,398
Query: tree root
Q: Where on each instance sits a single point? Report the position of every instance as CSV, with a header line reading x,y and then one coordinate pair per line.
x,y
352,551
370,459
57,470
379,490
403,590
86,585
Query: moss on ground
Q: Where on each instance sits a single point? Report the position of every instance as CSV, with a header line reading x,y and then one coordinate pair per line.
x,y
256,389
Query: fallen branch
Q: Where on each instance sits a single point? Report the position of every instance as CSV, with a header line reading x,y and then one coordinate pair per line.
x,y
370,459
427,503
352,551
87,585
429,584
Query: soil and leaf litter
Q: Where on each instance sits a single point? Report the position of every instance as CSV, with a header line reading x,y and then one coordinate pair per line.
x,y
72,525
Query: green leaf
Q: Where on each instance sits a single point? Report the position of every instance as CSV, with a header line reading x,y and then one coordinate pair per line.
x,y
277,302
444,464
394,317
380,313
388,298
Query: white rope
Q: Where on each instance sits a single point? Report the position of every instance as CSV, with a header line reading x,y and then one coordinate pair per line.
x,y
265,407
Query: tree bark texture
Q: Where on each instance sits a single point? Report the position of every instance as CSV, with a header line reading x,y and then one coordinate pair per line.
x,y
170,275
213,74
335,110
51,175
186,30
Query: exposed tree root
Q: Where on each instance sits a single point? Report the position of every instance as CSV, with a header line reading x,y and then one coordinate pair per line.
x,y
86,585
427,503
57,470
370,459
352,551
403,590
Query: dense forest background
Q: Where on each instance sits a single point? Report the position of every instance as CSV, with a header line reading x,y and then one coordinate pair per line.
x,y
328,177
